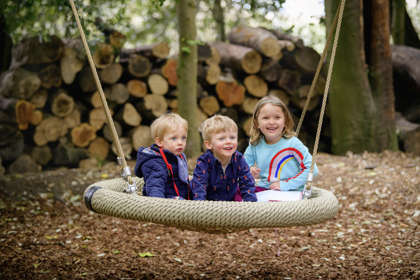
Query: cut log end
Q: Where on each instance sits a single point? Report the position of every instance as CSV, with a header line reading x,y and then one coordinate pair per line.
x,y
251,63
103,55
230,93
137,88
82,135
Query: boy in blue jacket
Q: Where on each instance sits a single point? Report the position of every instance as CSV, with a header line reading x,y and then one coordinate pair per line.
x,y
221,170
163,165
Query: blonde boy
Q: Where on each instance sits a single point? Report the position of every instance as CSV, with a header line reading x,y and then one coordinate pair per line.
x,y
221,171
163,165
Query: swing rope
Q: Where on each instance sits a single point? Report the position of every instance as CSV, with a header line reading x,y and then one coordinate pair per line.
x,y
112,197
125,172
337,21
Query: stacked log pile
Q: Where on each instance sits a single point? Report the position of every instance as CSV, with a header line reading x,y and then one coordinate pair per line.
x,y
52,115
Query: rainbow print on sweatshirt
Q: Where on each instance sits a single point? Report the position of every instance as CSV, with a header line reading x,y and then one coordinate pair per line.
x,y
280,159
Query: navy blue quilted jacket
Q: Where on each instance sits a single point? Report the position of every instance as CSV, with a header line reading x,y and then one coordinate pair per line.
x,y
212,183
158,181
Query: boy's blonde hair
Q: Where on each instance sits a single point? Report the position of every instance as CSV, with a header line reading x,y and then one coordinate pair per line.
x,y
256,134
165,123
216,124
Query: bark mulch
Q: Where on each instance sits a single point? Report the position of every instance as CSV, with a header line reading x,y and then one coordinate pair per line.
x,y
47,233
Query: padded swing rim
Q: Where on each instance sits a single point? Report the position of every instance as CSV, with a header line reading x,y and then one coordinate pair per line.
x,y
108,197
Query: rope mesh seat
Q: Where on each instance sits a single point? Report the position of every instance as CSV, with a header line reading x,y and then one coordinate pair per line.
x,y
118,197
108,197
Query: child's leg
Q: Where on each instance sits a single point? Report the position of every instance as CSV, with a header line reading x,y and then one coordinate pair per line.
x,y
238,196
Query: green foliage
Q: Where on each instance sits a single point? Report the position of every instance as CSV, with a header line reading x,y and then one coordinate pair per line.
x,y
142,22
55,17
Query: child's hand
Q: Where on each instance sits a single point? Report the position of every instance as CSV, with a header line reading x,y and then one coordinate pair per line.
x,y
275,186
255,171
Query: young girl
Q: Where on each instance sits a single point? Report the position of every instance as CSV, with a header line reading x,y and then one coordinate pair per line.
x,y
276,157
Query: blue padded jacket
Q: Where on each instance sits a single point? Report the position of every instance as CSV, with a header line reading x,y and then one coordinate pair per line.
x,y
157,177
211,182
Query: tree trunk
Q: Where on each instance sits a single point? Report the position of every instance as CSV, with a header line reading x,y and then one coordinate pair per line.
x,y
187,72
398,22
411,35
6,45
219,18
380,74
351,106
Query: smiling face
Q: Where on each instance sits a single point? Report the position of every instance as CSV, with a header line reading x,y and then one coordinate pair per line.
x,y
271,121
223,144
174,140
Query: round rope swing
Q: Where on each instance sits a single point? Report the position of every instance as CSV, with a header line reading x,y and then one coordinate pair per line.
x,y
119,197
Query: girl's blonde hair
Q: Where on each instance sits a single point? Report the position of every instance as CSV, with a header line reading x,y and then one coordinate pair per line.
x,y
216,124
165,123
255,133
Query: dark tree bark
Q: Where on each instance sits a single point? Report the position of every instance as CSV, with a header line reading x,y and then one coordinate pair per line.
x,y
403,31
351,106
380,61
398,21
219,17
6,45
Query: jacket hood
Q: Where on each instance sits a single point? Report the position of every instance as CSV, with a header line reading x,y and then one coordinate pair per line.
x,y
144,154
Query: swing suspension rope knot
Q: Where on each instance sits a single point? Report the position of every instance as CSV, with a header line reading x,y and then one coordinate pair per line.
x,y
126,175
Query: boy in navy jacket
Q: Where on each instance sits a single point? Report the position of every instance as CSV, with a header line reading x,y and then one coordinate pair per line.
x,y
221,170
163,165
